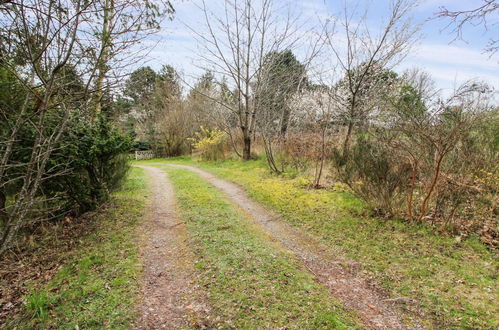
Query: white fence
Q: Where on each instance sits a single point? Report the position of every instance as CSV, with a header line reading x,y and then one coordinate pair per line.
x,y
144,154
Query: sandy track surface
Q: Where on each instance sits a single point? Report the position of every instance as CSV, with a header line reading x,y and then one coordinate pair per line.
x,y
170,298
344,278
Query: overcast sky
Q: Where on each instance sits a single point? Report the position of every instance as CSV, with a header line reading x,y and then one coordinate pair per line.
x,y
449,62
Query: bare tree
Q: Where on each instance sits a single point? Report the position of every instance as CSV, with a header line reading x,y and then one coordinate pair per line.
x,y
478,16
282,76
58,56
362,53
425,130
315,114
233,45
167,123
448,123
44,34
117,30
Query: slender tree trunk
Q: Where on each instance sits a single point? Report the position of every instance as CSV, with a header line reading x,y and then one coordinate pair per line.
x,y
285,122
270,156
232,143
14,131
246,145
411,190
104,56
3,213
320,167
434,181
346,142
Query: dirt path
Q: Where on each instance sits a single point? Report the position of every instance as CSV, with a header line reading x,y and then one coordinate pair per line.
x,y
344,279
170,298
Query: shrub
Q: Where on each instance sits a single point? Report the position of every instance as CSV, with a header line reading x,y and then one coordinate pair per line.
x,y
375,174
310,151
86,164
438,168
94,155
210,143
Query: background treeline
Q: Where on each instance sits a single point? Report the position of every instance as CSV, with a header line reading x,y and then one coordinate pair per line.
x,y
320,99
412,153
60,64
339,114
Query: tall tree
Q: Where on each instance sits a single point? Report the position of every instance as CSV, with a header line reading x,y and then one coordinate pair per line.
x,y
59,55
120,27
151,96
359,51
376,83
51,60
201,100
141,84
283,75
234,45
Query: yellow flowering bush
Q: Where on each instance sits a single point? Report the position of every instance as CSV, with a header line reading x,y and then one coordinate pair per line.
x,y
209,143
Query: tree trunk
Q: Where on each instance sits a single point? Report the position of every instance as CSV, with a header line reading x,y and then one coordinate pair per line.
x,y
412,186
232,143
319,167
284,122
104,56
346,143
3,213
247,145
432,185
270,156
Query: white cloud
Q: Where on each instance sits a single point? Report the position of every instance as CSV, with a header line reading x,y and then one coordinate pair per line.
x,y
448,64
452,65
454,55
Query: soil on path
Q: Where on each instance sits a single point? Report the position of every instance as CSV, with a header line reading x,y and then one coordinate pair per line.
x,y
345,279
170,298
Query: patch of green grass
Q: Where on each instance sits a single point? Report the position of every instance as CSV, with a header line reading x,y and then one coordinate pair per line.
x,y
98,287
455,282
252,281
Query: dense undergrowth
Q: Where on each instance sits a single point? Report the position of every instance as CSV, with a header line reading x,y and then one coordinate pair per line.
x,y
84,274
453,280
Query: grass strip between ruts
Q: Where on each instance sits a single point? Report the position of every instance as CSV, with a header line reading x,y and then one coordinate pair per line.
x,y
252,281
453,281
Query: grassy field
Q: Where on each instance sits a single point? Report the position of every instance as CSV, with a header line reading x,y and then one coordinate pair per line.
x,y
454,281
251,281
97,287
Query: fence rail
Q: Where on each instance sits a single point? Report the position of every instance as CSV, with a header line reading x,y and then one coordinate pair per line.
x,y
144,154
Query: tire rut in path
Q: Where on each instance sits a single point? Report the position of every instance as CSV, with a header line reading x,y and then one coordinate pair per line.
x,y
170,298
344,279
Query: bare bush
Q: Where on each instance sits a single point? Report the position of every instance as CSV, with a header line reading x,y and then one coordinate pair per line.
x,y
425,160
316,116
